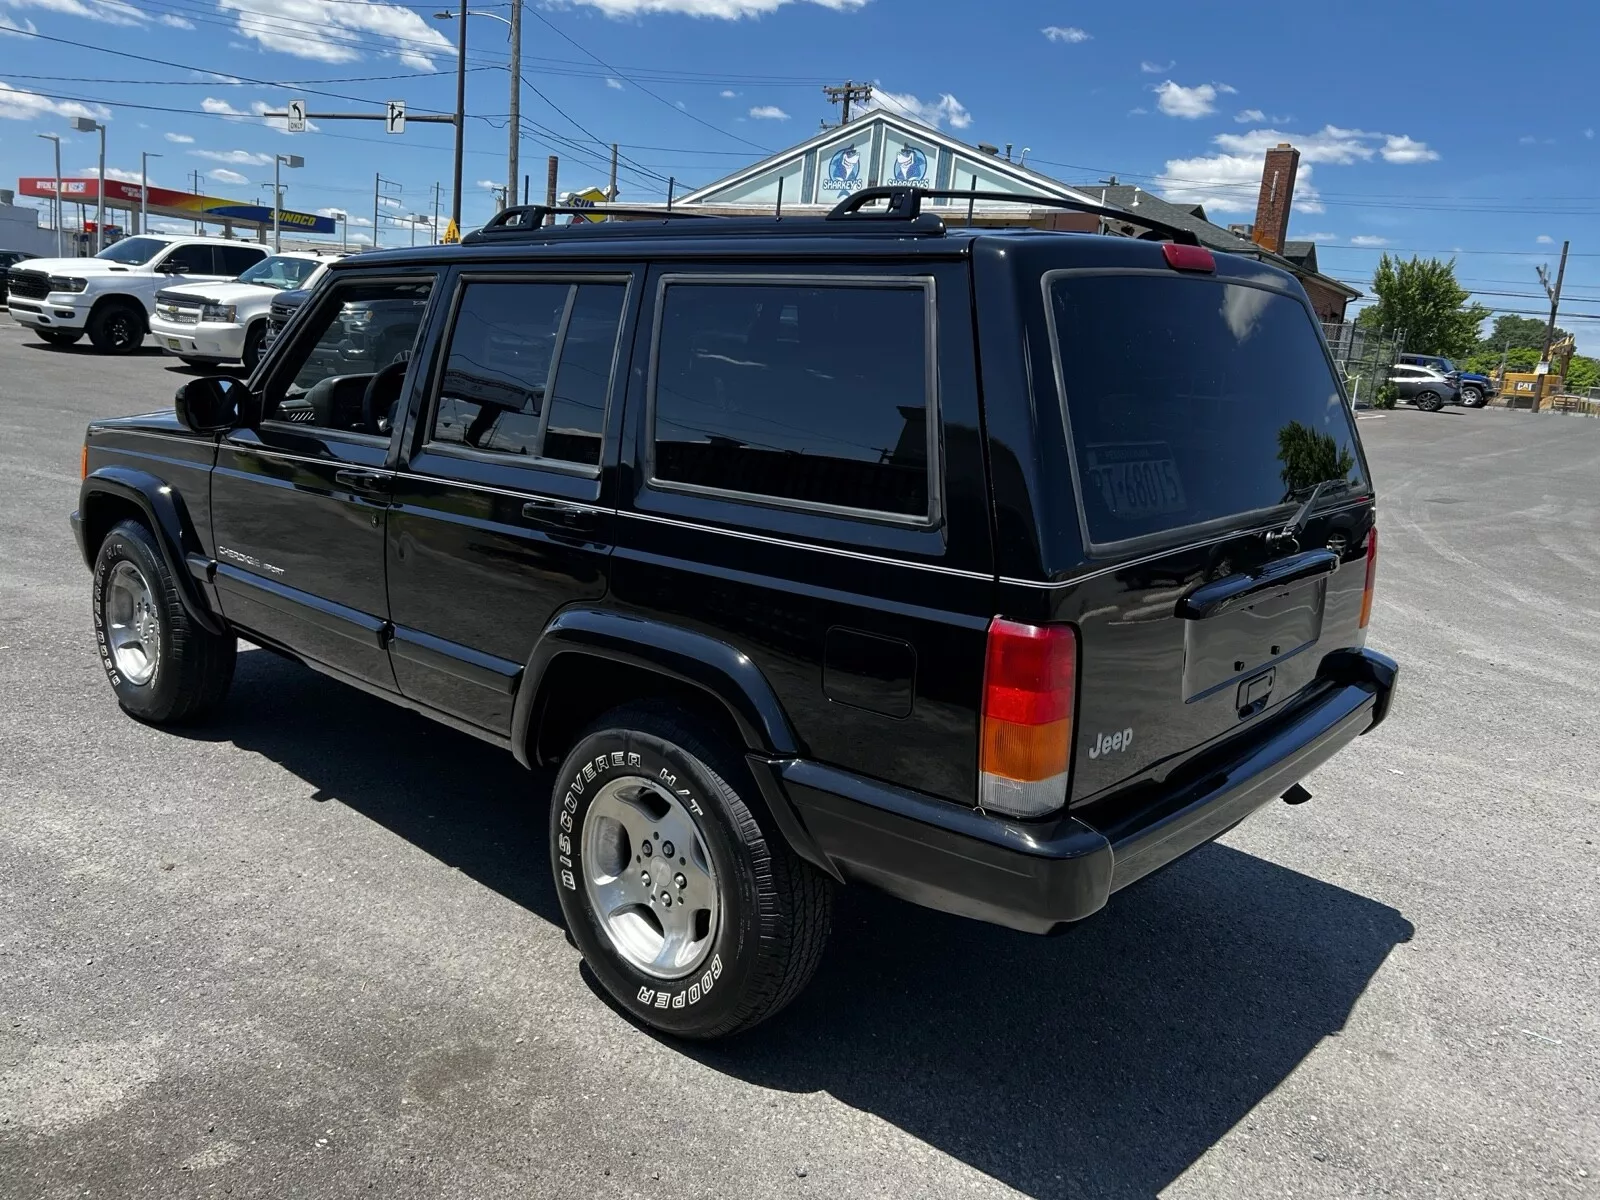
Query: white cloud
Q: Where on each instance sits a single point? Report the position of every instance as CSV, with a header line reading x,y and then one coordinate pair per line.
x,y
1330,144
1527,139
334,212
728,94
18,105
1544,239
223,175
1313,237
1188,102
238,158
108,12
175,21
331,31
1065,33
183,139
1140,111
1368,239
487,185
1248,115
211,104
1225,89
1229,183
611,83
768,112
929,112
1397,148
1589,133
728,10
116,173
366,221
1150,68
7,25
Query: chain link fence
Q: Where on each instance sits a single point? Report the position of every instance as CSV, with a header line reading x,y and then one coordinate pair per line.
x,y
1363,357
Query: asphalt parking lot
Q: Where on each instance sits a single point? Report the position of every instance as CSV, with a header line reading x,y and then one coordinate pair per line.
x,y
312,951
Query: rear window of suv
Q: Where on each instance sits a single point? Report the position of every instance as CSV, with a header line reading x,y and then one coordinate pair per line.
x,y
1192,400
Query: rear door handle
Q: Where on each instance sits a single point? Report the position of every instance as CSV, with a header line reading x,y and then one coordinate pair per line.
x,y
559,513
1277,577
365,482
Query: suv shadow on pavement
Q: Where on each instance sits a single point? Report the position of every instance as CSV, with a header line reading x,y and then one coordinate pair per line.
x,y
1102,1062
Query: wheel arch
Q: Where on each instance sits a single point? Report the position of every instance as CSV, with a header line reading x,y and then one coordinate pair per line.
x,y
114,493
119,299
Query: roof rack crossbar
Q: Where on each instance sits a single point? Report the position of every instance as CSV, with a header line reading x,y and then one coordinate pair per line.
x,y
905,203
521,218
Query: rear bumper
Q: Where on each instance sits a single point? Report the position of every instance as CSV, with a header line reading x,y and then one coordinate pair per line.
x,y
1035,877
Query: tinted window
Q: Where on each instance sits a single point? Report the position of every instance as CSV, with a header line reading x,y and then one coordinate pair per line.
x,y
1193,399
812,394
189,260
233,261
499,392
134,251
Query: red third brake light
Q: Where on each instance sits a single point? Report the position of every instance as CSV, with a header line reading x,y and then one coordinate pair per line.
x,y
1030,682
1188,258
1372,574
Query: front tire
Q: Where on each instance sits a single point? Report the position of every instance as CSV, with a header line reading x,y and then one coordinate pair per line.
x,y
691,910
116,328
163,667
253,345
1430,401
1472,397
56,337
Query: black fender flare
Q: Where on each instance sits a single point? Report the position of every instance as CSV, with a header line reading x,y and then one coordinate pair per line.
x,y
167,516
725,673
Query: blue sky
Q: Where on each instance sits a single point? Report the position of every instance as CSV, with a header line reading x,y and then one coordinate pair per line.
x,y
1416,134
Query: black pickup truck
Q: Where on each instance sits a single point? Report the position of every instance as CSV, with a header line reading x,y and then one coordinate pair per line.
x,y
993,568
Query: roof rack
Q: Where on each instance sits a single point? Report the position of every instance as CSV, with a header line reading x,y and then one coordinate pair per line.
x,y
521,218
905,204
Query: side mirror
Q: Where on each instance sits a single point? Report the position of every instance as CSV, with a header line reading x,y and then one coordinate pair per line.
x,y
215,404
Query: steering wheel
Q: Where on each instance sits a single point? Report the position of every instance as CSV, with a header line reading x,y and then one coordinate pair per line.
x,y
370,420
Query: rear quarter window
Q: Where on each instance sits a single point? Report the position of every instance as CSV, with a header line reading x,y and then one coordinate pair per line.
x,y
1192,400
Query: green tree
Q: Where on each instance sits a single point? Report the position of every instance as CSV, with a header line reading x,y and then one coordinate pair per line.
x,y
1421,300
1585,373
1516,331
1518,358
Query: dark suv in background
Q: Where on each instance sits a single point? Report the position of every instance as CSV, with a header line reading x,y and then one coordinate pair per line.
x,y
995,569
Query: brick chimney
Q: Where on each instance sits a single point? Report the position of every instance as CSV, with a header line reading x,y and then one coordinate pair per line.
x,y
1277,193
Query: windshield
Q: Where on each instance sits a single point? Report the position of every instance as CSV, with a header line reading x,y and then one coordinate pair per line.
x,y
132,252
281,272
1192,400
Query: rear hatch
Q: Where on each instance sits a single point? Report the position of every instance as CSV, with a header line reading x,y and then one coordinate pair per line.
x,y
1203,417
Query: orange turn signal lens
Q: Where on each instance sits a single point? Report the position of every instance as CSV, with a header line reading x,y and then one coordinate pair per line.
x,y
83,462
1030,683
1372,575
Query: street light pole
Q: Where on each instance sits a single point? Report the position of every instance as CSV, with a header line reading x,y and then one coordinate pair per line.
x,y
515,124
144,188
291,161
90,125
461,113
60,253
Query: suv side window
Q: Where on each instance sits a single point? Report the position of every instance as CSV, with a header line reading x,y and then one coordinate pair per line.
x,y
806,392
234,261
361,337
529,367
188,260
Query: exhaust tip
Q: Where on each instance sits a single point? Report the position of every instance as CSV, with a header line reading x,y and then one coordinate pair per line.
x,y
1296,795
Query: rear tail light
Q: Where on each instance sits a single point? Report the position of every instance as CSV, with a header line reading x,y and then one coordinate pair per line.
x,y
1188,258
1030,682
1372,574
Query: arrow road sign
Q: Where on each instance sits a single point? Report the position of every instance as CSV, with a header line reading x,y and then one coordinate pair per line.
x,y
394,120
297,116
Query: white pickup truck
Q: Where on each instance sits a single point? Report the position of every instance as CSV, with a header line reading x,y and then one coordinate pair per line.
x,y
227,322
111,296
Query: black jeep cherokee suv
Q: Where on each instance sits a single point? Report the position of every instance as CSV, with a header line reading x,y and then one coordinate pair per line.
x,y
996,569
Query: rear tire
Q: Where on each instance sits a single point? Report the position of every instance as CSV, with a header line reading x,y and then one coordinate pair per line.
x,y
56,337
164,667
116,327
645,805
1429,401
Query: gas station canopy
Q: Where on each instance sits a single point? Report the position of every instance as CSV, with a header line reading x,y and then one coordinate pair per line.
x,y
187,206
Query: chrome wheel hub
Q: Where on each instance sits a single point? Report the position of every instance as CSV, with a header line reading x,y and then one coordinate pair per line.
x,y
133,628
649,878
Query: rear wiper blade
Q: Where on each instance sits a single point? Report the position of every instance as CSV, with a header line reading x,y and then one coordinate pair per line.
x,y
1287,539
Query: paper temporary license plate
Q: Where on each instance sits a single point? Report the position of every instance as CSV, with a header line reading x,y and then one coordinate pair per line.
x,y
1136,479
175,343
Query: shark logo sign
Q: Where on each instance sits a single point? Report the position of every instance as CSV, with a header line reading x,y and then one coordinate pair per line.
x,y
911,167
844,171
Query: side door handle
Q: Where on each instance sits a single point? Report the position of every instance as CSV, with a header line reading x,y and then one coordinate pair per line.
x,y
560,514
368,483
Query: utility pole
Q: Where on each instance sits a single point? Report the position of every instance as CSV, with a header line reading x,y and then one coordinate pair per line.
x,y
1550,326
195,175
552,169
144,187
56,203
461,118
844,95
436,190
515,124
377,180
611,188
